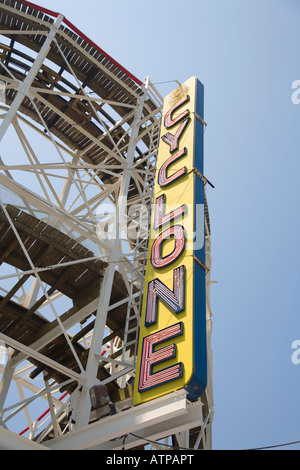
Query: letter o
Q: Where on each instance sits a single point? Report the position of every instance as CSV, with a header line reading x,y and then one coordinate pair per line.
x,y
157,260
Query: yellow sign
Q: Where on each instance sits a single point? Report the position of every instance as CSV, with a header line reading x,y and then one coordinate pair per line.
x,y
173,312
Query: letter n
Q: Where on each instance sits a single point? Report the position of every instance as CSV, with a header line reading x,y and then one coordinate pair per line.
x,y
175,299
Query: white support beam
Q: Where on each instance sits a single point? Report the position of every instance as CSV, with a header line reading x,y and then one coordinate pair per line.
x,y
12,441
135,420
193,418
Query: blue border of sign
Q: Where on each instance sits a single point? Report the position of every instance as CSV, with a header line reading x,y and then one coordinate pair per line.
x,y
198,382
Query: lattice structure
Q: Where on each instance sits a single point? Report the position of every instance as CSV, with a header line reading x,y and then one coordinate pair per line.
x,y
79,135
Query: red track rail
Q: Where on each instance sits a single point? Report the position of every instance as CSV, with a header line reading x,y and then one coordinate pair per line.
x,y
43,415
83,36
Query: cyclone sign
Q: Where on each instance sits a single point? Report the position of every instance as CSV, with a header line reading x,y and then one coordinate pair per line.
x,y
172,342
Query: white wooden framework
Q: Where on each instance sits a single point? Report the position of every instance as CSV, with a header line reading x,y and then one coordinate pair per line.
x,y
78,142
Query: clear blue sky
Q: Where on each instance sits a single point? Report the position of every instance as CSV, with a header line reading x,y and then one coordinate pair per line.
x,y
245,52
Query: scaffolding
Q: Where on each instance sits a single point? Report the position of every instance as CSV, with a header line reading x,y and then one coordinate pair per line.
x,y
79,136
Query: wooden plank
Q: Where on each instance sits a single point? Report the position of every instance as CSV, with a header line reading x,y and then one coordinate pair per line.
x,y
48,237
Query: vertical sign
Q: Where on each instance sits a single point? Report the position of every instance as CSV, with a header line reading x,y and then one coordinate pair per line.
x,y
172,342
